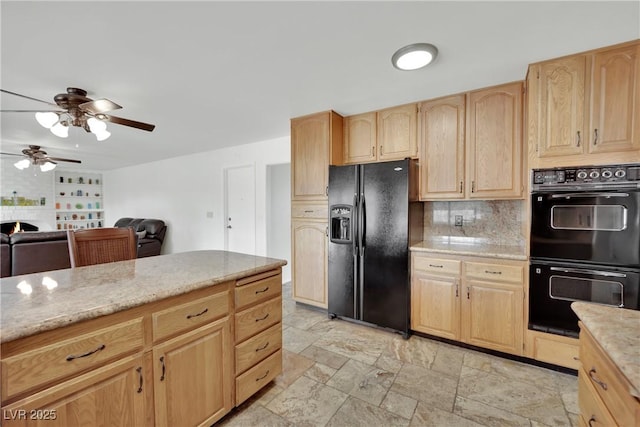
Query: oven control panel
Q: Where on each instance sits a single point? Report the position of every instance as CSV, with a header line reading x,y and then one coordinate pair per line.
x,y
604,175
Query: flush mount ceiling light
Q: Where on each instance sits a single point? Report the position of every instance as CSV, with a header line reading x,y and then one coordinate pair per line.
x,y
414,56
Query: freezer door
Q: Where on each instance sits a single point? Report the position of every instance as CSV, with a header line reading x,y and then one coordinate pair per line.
x,y
342,260
385,260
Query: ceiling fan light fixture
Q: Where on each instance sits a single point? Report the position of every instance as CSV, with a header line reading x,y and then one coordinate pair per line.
x,y
48,119
61,130
414,56
22,164
103,135
96,126
47,166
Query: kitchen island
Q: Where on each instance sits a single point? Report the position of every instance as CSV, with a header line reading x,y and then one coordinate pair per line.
x,y
609,375
168,340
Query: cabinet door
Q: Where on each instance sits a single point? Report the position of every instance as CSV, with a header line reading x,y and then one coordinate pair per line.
x,y
193,376
397,132
492,316
113,395
558,106
310,142
435,305
441,125
494,142
615,100
309,261
360,138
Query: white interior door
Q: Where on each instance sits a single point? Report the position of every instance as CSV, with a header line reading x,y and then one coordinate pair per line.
x,y
240,209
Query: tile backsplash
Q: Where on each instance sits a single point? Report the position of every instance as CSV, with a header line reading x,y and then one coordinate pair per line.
x,y
497,222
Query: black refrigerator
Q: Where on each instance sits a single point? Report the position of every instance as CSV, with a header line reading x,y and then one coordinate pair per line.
x,y
374,216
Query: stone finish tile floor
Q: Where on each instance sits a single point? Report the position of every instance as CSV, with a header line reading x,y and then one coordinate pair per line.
x,y
341,374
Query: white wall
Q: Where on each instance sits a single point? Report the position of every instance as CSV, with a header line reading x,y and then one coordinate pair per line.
x,y
278,215
182,190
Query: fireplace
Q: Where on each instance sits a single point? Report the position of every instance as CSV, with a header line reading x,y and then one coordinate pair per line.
x,y
9,226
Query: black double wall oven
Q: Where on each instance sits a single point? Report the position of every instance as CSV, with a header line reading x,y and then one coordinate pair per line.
x,y
585,243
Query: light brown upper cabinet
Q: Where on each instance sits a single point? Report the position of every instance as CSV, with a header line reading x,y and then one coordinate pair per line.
x,y
316,142
389,134
583,109
360,139
442,125
471,145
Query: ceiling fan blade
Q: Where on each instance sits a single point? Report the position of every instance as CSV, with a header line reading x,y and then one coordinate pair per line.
x,y
99,106
28,97
127,122
32,111
63,160
12,154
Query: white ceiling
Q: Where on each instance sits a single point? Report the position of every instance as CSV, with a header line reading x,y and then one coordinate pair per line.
x,y
217,74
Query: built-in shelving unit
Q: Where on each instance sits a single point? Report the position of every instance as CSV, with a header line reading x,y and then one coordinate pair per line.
x,y
79,200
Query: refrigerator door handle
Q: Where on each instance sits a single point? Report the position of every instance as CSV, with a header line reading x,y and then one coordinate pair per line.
x,y
354,224
362,232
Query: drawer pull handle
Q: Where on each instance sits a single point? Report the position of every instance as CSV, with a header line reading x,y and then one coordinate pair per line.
x,y
592,375
492,272
308,211
88,353
163,368
264,290
264,376
262,318
197,314
263,347
139,371
435,266
592,420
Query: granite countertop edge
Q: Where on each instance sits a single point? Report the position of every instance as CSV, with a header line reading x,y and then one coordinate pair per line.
x,y
43,322
514,252
617,330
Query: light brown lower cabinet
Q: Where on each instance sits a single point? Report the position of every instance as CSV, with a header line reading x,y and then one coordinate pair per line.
x,y
165,363
603,391
479,301
112,395
192,376
550,348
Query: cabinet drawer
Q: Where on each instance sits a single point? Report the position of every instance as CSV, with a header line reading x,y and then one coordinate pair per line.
x,y
258,291
592,410
255,378
253,320
436,265
494,272
258,348
309,210
608,382
189,315
71,356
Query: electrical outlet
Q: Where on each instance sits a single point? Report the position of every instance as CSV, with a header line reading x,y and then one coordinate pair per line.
x,y
458,221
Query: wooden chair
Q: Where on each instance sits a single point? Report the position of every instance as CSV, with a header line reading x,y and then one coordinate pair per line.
x,y
101,245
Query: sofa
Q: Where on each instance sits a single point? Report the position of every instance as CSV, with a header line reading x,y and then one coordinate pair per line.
x,y
150,234
5,256
36,251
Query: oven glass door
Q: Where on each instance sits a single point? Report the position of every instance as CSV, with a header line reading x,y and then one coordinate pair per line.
x,y
599,227
554,286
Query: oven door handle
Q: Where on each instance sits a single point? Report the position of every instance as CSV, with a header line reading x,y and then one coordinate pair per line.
x,y
592,272
585,195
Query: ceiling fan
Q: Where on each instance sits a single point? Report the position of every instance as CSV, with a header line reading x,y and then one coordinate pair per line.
x,y
74,108
35,156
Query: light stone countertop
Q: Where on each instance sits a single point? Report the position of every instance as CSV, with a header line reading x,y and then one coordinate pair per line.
x,y
617,330
514,252
38,302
